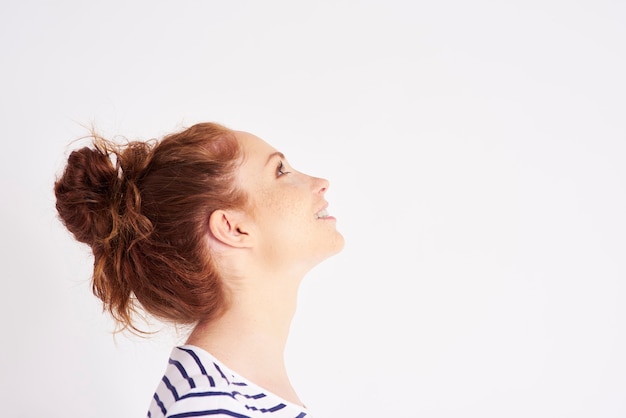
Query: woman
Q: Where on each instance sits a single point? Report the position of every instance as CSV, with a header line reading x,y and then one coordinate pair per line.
x,y
209,227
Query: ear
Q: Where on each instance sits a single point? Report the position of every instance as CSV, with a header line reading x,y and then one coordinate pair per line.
x,y
229,228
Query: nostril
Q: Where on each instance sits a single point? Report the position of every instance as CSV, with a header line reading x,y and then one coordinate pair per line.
x,y
322,185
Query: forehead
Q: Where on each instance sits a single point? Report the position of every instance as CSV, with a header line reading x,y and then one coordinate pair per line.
x,y
255,150
255,153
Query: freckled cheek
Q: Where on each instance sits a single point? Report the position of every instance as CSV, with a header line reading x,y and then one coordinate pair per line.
x,y
269,200
283,202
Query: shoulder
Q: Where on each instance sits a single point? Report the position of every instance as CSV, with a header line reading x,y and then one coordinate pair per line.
x,y
195,384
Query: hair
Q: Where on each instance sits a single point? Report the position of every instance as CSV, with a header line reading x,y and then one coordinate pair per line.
x,y
143,208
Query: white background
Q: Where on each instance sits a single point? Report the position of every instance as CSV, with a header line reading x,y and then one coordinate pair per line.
x,y
476,157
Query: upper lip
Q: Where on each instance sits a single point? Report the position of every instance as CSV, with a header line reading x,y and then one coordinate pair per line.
x,y
322,208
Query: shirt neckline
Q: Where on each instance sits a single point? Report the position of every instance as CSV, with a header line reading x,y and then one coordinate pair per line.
x,y
237,376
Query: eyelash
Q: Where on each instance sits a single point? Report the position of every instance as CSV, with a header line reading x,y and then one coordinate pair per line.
x,y
279,170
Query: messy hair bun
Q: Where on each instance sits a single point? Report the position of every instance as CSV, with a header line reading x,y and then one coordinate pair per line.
x,y
96,193
142,207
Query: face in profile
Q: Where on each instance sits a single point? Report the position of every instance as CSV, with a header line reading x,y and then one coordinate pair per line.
x,y
288,207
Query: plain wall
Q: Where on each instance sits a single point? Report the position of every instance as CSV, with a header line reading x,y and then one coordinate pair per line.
x,y
476,157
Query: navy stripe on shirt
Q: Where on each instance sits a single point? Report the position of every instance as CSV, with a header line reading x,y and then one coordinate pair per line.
x,y
200,365
170,387
183,372
207,413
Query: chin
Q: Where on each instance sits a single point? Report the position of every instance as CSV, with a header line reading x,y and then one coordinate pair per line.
x,y
338,244
331,247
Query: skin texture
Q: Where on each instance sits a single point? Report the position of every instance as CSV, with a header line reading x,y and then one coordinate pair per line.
x,y
262,253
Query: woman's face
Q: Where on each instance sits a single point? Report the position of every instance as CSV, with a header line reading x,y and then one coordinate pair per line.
x,y
288,207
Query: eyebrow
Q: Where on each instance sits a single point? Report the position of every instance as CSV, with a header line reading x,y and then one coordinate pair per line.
x,y
275,154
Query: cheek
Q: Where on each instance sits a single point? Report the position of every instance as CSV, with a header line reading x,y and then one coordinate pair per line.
x,y
286,203
285,218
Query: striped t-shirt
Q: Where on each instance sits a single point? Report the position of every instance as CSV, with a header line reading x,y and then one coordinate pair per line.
x,y
196,384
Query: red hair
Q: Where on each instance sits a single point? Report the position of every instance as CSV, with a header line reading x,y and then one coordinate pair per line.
x,y
143,208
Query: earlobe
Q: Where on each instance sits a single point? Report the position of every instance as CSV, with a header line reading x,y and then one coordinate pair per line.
x,y
228,228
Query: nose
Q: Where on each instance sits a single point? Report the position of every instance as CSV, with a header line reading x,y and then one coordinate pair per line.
x,y
320,185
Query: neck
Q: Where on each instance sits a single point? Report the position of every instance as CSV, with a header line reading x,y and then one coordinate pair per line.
x,y
251,336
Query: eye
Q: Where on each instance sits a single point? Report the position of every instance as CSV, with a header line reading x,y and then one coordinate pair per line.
x,y
280,170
